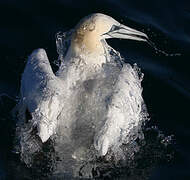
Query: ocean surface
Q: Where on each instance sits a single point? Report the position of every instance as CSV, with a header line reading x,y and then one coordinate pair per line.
x,y
27,25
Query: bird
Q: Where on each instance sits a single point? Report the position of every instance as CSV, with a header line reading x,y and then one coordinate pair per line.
x,y
91,99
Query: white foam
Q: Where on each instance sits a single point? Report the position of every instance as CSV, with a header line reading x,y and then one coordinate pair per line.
x,y
103,105
94,105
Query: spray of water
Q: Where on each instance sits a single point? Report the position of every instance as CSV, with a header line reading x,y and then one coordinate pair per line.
x,y
152,44
84,115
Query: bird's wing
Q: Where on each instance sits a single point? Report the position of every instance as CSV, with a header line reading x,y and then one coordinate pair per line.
x,y
124,111
36,73
40,93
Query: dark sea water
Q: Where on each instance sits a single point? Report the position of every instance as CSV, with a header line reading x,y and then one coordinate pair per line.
x,y
27,25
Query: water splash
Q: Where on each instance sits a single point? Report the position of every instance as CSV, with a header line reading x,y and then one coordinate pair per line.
x,y
152,34
72,151
157,50
85,113
62,43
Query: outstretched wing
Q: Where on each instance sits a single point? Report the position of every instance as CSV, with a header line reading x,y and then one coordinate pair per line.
x,y
40,94
124,112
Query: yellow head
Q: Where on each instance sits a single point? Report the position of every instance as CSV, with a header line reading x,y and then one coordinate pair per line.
x,y
89,32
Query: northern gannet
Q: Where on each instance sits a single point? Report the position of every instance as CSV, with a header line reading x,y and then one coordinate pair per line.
x,y
54,99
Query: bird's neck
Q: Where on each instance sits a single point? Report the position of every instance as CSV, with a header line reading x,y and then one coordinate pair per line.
x,y
88,46
89,49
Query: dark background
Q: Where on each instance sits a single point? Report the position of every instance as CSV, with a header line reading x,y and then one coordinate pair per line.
x,y
27,25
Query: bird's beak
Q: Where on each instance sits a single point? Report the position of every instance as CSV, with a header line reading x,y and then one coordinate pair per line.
x,y
124,32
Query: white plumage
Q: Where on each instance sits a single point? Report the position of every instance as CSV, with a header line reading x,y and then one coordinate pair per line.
x,y
91,98
41,94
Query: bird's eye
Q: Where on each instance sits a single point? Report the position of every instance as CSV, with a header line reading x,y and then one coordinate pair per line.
x,y
114,28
